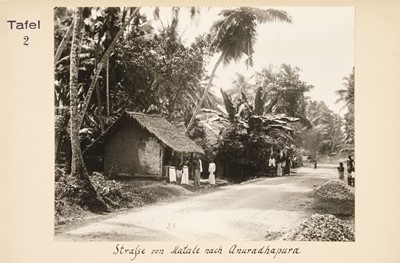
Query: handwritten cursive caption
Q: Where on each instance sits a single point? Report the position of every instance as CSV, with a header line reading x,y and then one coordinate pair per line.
x,y
134,252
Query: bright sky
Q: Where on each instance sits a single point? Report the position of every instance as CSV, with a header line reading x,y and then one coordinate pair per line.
x,y
320,41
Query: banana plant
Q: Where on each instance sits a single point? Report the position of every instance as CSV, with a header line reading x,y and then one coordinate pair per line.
x,y
259,117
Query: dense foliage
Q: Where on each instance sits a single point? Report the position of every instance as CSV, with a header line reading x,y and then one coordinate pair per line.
x,y
346,95
127,65
143,62
255,129
326,137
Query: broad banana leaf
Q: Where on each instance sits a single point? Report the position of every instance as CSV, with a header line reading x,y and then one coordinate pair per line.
x,y
280,127
241,107
269,108
304,121
221,109
228,106
290,119
258,103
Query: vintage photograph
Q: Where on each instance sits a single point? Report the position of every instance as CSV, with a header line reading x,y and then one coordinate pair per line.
x,y
204,124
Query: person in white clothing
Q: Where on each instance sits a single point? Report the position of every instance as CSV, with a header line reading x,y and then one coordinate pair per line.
x,y
179,168
172,174
272,165
201,166
185,173
197,171
211,168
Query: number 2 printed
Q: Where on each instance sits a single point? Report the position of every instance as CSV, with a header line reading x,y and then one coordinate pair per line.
x,y
26,38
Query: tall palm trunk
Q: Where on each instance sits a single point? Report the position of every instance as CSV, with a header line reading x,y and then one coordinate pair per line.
x,y
77,165
98,94
63,44
88,195
61,122
207,89
108,86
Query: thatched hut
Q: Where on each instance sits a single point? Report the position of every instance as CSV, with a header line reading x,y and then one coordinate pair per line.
x,y
141,144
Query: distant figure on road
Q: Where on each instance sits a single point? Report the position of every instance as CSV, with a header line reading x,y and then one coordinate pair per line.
x,y
315,164
294,162
350,171
286,160
211,168
278,166
341,171
272,165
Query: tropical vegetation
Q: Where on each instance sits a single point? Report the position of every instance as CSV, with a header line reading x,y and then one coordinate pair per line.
x,y
109,60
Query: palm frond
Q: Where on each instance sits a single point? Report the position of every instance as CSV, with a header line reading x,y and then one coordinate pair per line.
x,y
304,120
175,20
194,11
269,15
156,13
235,33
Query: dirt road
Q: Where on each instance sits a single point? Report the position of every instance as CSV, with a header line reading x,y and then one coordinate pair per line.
x,y
259,209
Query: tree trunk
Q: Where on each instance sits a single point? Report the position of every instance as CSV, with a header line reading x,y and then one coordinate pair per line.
x,y
88,195
198,106
108,86
73,86
101,65
63,44
98,95
61,122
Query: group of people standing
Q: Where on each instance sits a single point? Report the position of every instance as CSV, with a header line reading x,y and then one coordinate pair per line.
x,y
180,173
279,165
350,171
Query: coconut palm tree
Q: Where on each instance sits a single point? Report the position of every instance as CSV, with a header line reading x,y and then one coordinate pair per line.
x,y
88,194
347,94
289,90
234,35
73,86
266,76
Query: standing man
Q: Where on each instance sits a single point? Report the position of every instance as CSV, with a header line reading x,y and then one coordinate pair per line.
x,y
185,172
350,171
179,168
211,169
341,171
286,165
272,165
278,166
197,165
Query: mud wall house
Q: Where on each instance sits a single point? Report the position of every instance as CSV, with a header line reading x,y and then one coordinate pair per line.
x,y
140,144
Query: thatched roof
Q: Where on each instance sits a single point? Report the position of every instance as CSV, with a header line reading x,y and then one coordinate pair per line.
x,y
163,130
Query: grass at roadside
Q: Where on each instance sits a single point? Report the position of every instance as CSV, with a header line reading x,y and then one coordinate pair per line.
x,y
119,194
